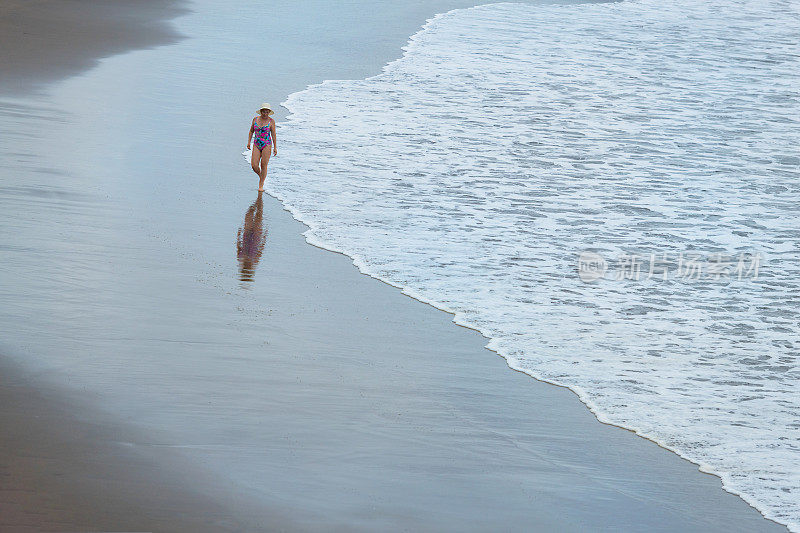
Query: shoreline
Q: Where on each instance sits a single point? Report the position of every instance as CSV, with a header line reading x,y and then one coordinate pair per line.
x,y
586,403
288,230
312,240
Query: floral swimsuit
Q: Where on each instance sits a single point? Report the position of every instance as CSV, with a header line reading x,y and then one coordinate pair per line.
x,y
263,135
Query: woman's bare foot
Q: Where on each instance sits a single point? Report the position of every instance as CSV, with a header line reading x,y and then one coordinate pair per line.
x,y
261,189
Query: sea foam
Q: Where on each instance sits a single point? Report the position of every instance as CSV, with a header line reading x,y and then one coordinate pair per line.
x,y
509,139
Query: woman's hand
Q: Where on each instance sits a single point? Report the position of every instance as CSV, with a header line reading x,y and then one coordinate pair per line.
x,y
275,151
248,146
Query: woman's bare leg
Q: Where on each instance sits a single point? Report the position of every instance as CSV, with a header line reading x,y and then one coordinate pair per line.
x,y
254,160
265,155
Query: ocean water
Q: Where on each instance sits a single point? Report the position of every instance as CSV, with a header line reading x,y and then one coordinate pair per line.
x,y
509,140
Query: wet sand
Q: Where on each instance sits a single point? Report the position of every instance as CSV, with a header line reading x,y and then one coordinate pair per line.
x,y
65,466
48,40
146,388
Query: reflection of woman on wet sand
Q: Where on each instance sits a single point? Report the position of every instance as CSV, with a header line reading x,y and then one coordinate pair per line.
x,y
250,240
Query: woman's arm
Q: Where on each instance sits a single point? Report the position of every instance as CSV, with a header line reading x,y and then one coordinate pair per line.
x,y
274,138
250,135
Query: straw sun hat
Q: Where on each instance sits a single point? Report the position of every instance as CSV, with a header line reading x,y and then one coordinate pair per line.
x,y
266,106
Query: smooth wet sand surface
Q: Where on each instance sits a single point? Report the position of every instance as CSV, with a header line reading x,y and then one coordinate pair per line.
x,y
47,40
146,386
66,467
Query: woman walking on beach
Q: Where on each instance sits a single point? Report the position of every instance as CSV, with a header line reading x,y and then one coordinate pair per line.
x,y
264,128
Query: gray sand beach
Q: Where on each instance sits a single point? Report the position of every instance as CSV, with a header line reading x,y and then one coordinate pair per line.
x,y
148,383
